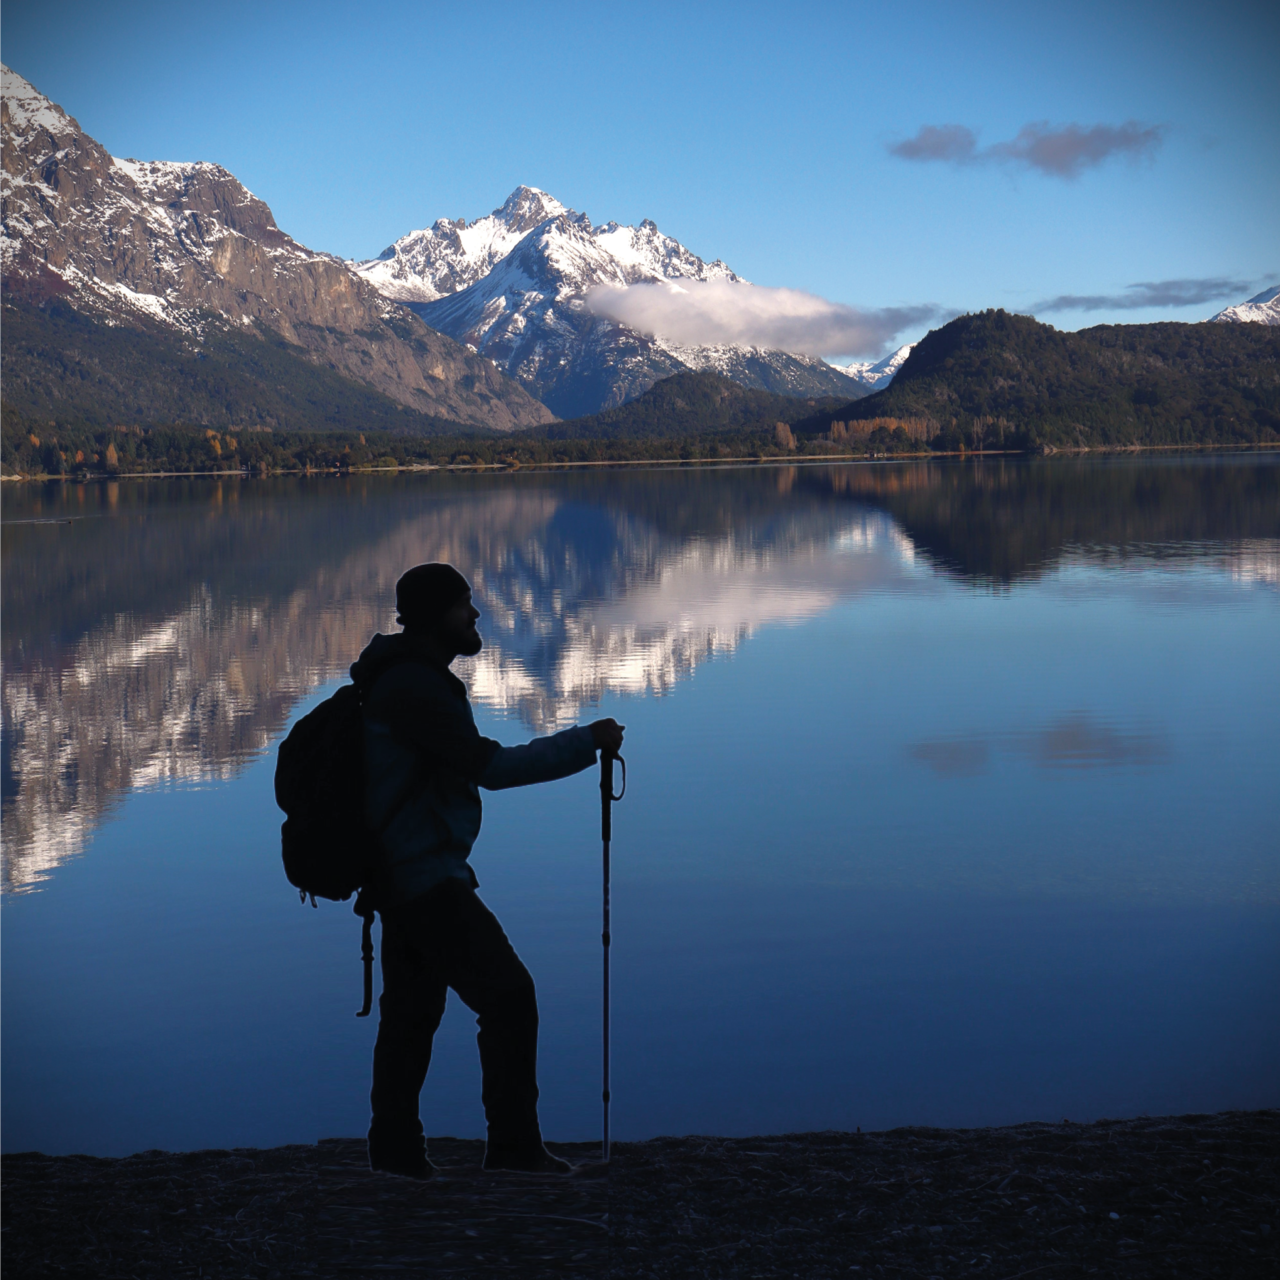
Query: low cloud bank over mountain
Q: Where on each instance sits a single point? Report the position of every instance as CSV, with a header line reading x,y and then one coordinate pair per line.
x,y
1148,293
1064,151
732,312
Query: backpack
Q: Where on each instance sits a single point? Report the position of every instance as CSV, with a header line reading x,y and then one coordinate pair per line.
x,y
328,850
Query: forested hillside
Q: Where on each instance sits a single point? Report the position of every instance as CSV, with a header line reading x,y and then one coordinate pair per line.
x,y
691,404
999,381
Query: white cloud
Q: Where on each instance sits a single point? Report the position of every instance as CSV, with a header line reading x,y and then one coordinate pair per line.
x,y
720,312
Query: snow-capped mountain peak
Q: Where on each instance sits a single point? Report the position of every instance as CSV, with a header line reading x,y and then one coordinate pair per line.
x,y
1262,308
525,207
517,290
452,253
529,313
27,110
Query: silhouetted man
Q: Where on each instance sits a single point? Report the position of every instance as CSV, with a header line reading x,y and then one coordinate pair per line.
x,y
425,763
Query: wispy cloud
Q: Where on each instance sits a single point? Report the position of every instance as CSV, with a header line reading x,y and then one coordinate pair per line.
x,y
718,312
1063,151
1149,293
951,142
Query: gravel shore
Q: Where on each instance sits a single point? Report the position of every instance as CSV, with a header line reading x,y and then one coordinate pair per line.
x,y
1185,1196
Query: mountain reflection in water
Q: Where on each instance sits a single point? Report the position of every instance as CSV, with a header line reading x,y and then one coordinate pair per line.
x,y
159,632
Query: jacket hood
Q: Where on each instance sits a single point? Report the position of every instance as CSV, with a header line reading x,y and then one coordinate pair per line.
x,y
379,652
385,651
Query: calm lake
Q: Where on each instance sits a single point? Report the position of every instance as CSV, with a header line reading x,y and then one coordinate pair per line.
x,y
953,794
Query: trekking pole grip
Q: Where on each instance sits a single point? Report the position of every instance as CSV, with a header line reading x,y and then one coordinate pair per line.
x,y
606,795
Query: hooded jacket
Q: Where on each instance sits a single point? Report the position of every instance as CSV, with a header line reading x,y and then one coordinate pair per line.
x,y
425,762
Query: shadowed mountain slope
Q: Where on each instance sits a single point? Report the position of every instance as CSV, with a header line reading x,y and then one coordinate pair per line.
x,y
66,366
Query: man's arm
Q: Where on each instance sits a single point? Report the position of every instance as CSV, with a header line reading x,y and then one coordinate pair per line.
x,y
556,756
418,707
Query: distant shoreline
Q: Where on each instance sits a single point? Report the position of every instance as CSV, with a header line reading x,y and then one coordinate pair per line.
x,y
804,459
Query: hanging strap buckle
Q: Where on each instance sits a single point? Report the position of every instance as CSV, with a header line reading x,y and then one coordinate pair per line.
x,y
365,910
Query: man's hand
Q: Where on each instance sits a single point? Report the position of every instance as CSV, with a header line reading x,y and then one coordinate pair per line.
x,y
607,736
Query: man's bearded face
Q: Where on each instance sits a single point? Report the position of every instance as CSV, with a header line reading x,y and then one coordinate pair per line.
x,y
458,627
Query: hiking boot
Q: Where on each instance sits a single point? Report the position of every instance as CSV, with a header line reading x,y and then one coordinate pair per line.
x,y
524,1160
405,1156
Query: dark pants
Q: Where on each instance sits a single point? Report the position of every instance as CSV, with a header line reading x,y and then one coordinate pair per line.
x,y
449,938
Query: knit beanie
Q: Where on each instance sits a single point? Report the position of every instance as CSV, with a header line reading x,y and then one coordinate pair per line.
x,y
427,592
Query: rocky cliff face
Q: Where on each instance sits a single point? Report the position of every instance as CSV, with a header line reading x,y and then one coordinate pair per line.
x,y
184,246
513,285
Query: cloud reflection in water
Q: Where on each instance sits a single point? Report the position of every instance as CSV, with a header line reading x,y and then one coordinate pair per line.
x,y
1075,741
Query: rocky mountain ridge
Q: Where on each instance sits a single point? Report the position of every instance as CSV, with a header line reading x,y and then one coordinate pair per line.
x,y
177,248
515,290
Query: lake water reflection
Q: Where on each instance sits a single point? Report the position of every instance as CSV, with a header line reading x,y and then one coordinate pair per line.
x,y
952,793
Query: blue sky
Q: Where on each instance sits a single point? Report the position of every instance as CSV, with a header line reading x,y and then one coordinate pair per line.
x,y
759,134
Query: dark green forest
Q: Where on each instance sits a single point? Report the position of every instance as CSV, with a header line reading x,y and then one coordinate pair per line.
x,y
692,416
29,449
1000,381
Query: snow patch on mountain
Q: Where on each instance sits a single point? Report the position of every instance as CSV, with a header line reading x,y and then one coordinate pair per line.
x,y
1262,308
735,362
876,375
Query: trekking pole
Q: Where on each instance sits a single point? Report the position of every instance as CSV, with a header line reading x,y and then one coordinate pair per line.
x,y
606,833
